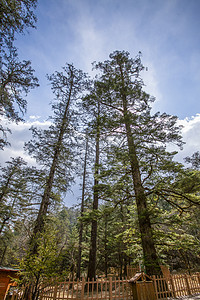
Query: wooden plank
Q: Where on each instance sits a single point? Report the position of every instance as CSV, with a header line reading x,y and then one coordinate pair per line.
x,y
77,288
101,284
63,294
68,289
119,284
87,289
123,288
110,288
155,286
115,284
72,291
55,292
127,289
172,286
83,288
106,288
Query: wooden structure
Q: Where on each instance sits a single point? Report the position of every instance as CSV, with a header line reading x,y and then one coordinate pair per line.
x,y
5,280
107,289
116,289
142,287
131,271
165,271
176,285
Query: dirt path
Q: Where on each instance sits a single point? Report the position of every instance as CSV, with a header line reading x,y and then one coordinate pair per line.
x,y
195,297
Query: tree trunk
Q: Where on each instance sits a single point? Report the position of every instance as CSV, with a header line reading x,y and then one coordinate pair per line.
x,y
3,224
149,251
8,217
93,242
5,189
3,254
40,221
82,210
106,246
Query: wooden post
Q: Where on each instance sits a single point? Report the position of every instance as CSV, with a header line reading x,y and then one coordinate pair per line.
x,y
110,288
42,291
198,277
173,287
13,295
83,288
155,286
187,285
55,292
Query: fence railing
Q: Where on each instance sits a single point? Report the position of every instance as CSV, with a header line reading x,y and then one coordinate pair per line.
x,y
176,285
120,289
103,289
131,271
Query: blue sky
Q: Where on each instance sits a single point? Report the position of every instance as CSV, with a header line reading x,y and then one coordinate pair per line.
x,y
83,31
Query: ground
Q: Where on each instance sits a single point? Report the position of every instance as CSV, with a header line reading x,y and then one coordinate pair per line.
x,y
195,297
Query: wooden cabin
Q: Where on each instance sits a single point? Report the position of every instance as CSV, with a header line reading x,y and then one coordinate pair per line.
x,y
6,281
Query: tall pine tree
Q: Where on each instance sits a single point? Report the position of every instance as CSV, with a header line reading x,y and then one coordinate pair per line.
x,y
53,148
141,136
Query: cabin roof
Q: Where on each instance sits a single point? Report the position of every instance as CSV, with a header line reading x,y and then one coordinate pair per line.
x,y
141,276
2,269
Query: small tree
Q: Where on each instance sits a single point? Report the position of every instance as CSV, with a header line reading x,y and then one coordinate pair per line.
x,y
19,197
40,268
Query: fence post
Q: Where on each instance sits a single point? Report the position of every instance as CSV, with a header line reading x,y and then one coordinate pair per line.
x,y
83,288
110,288
41,292
13,295
198,277
173,287
55,292
187,285
155,286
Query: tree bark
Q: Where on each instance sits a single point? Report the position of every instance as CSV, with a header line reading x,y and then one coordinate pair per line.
x,y
106,246
40,221
93,241
5,189
149,251
8,217
82,210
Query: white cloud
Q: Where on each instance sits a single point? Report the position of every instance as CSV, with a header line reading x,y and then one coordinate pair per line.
x,y
35,117
20,135
150,78
190,133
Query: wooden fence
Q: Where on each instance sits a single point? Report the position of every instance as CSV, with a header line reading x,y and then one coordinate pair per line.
x,y
120,289
103,289
131,271
176,285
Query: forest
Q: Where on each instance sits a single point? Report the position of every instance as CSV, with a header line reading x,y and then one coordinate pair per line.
x,y
138,205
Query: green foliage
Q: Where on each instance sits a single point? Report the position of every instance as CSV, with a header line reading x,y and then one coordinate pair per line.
x,y
125,139
194,160
16,16
41,265
20,192
17,77
56,253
